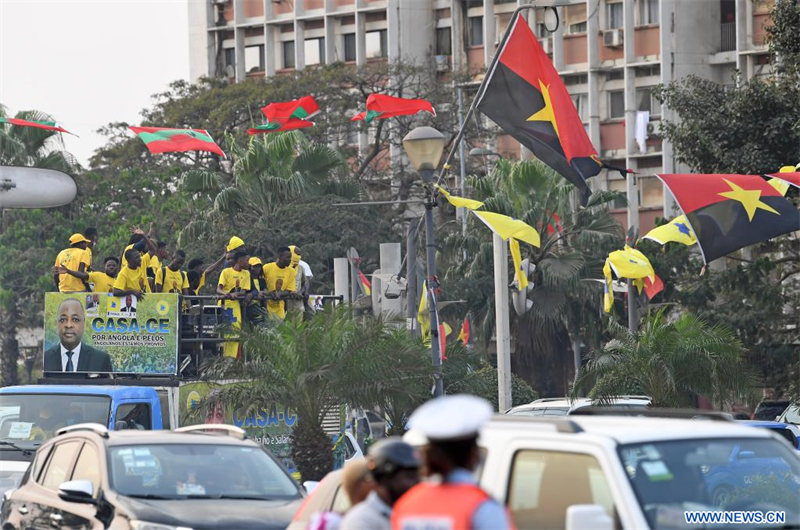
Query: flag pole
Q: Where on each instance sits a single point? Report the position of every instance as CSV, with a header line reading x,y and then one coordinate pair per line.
x,y
457,141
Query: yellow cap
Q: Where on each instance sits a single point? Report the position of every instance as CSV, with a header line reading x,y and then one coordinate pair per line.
x,y
295,255
234,243
255,261
77,238
787,169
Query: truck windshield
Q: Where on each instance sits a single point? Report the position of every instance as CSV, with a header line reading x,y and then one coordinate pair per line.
x,y
27,420
719,475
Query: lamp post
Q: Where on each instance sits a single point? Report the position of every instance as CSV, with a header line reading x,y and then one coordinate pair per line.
x,y
424,146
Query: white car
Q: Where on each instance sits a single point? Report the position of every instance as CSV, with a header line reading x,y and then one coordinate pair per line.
x,y
564,406
791,417
605,471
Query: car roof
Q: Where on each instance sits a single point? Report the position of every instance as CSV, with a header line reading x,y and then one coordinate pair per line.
x,y
136,437
766,424
570,403
627,429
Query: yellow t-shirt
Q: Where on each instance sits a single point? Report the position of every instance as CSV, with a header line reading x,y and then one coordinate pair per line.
x,y
72,258
232,280
132,280
145,259
175,281
272,274
102,282
154,263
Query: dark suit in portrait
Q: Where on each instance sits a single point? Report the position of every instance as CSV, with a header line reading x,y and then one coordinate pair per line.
x,y
90,360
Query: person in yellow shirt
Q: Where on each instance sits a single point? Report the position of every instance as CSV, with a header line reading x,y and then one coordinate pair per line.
x,y
103,281
234,288
255,310
70,271
280,278
132,278
235,244
157,258
170,278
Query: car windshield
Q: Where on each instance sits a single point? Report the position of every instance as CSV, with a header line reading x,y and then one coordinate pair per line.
x,y
27,420
743,474
181,471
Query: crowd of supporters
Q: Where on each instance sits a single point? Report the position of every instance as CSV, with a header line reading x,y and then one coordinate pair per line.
x,y
247,288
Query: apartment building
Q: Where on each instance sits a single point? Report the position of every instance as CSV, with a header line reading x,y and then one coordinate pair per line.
x,y
610,53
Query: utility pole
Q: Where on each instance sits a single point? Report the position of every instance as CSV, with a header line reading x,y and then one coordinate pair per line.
x,y
503,326
432,282
633,233
411,275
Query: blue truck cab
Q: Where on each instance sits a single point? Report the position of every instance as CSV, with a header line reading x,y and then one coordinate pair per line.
x,y
31,414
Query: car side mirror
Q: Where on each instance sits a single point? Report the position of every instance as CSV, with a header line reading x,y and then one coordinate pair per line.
x,y
80,491
309,485
594,516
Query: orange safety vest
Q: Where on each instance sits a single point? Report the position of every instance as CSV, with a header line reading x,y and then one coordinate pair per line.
x,y
437,506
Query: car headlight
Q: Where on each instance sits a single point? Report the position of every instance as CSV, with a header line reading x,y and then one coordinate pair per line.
x,y
146,525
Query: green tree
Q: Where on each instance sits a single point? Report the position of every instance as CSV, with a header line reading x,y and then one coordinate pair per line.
x,y
24,234
672,362
317,365
574,243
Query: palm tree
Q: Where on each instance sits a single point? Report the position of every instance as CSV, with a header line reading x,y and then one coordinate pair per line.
x,y
672,362
26,147
574,243
316,366
267,172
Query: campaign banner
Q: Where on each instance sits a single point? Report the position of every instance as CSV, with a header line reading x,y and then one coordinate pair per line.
x,y
100,332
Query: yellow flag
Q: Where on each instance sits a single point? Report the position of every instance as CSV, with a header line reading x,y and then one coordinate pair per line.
x,y
677,230
459,202
506,227
608,293
422,314
516,257
630,263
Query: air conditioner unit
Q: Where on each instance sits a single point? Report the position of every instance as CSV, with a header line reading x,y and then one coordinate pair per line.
x,y
654,129
547,45
442,63
613,38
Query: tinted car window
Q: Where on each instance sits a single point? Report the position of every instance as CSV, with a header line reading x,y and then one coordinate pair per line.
x,y
173,471
88,466
39,461
792,415
58,467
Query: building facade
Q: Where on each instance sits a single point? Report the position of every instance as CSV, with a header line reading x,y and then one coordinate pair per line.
x,y
610,53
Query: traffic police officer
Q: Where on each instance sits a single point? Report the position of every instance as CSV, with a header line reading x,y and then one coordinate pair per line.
x,y
453,501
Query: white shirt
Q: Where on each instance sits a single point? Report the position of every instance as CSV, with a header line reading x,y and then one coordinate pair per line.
x,y
65,359
306,269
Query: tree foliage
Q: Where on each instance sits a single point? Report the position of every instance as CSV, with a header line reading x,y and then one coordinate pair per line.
x,y
316,366
672,362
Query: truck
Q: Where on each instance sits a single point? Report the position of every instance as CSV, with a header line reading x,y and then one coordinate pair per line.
x,y
30,415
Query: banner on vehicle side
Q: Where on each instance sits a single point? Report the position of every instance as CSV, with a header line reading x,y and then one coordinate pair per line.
x,y
99,332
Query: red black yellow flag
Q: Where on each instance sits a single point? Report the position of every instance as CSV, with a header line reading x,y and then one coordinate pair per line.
x,y
729,212
527,99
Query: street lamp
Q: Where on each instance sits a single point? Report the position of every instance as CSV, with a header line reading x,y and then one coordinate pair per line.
x,y
424,146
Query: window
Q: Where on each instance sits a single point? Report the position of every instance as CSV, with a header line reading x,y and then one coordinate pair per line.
x,y
612,75
163,399
581,102
376,44
579,79
443,44
476,31
230,57
614,19
38,463
60,464
578,27
133,416
545,483
314,51
647,12
616,104
643,99
254,58
88,467
288,54
541,30
349,46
